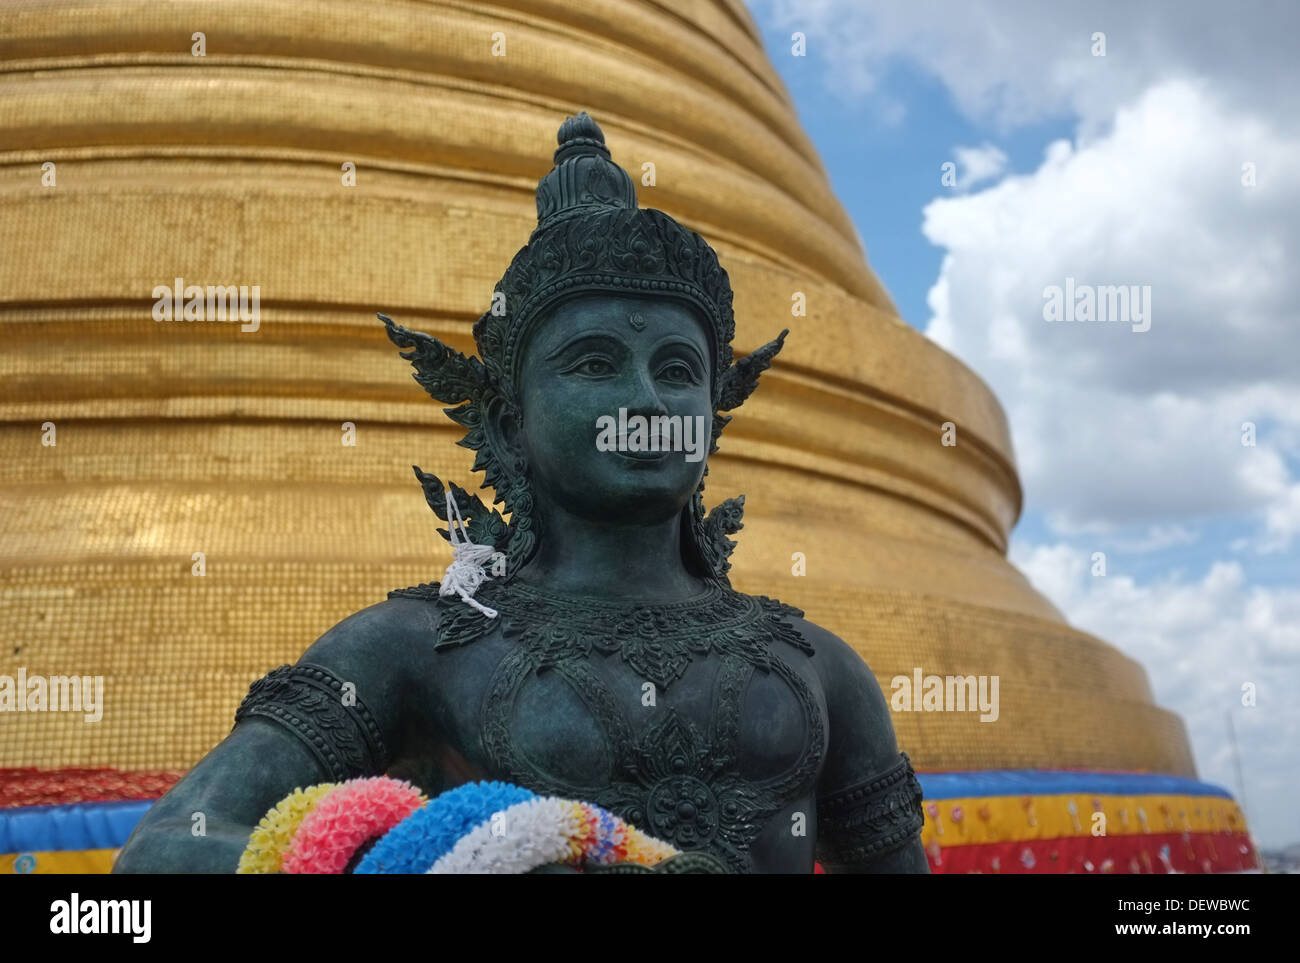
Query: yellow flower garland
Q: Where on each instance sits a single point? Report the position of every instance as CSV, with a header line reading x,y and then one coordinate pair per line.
x,y
270,840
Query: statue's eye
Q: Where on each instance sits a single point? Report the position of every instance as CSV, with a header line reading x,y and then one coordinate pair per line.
x,y
593,367
677,372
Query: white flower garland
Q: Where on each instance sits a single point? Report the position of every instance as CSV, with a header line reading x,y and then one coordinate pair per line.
x,y
523,837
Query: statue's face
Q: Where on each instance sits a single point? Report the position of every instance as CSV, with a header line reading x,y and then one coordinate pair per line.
x,y
600,367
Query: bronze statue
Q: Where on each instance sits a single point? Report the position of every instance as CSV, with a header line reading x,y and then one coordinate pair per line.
x,y
591,646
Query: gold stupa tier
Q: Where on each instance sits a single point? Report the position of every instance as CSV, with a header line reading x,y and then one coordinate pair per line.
x,y
176,438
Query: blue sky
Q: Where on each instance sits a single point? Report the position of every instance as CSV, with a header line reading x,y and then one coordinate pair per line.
x,y
1124,166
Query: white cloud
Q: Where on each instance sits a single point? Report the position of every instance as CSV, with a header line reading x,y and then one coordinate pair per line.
x,y
1114,427
975,165
1281,521
1202,639
1151,538
1018,61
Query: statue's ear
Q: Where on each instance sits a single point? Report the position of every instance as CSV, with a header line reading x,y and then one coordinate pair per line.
x,y
741,378
504,428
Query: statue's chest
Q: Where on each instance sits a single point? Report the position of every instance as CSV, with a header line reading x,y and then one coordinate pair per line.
x,y
694,728
590,721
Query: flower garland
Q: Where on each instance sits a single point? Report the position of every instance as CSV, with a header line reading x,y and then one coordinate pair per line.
x,y
273,835
416,843
484,827
540,832
345,819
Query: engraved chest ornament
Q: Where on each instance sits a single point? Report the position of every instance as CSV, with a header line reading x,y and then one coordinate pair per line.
x,y
678,780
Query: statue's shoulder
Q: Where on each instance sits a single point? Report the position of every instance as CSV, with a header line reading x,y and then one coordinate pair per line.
x,y
446,620
834,659
863,742
378,635
424,592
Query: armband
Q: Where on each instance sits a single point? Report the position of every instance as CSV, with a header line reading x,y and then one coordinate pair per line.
x,y
309,702
870,819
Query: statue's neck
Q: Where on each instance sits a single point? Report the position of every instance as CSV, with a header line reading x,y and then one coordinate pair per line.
x,y
608,560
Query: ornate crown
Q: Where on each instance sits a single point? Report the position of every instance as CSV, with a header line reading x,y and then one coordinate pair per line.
x,y
590,236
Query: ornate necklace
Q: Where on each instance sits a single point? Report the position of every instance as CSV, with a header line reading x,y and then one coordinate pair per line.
x,y
657,641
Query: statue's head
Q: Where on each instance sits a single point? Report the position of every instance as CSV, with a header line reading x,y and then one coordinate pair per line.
x,y
613,319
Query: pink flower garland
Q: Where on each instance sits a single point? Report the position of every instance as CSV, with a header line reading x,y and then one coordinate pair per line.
x,y
355,812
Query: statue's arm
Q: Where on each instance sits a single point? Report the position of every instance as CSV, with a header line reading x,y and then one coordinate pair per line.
x,y
869,812
335,715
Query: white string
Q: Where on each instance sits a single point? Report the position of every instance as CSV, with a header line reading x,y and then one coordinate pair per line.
x,y
465,573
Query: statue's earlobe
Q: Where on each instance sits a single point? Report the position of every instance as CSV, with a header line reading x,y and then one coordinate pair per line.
x,y
503,426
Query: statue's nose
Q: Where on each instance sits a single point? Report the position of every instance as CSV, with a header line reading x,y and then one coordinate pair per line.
x,y
644,399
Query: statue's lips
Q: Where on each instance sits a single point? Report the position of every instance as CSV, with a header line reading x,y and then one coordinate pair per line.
x,y
644,456
624,449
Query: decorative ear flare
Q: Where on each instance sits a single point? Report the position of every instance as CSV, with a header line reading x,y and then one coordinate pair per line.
x,y
449,376
723,520
742,377
484,525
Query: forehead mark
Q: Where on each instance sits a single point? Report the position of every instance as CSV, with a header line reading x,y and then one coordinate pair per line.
x,y
637,320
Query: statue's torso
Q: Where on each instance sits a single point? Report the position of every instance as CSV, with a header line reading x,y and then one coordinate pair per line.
x,y
702,722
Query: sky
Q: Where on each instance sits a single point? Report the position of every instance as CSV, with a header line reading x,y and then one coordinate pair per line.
x,y
1163,156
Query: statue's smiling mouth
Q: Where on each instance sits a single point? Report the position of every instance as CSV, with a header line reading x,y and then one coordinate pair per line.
x,y
644,456
654,453
652,436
